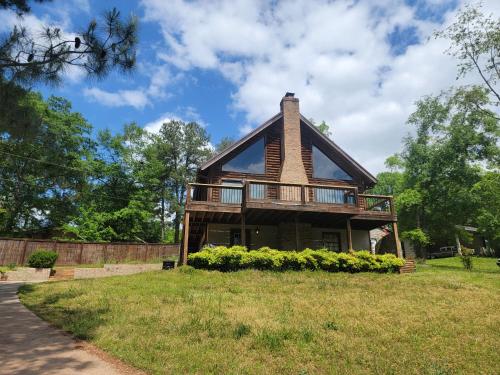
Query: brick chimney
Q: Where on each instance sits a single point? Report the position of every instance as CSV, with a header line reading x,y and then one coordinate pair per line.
x,y
293,170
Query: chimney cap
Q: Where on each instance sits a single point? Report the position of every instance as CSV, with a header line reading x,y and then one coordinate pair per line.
x,y
289,95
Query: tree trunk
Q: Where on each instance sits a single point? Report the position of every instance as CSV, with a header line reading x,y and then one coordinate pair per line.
x,y
177,223
162,218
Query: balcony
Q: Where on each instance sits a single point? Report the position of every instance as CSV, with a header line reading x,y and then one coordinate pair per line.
x,y
268,195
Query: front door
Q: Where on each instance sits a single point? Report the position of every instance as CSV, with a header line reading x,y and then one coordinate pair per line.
x,y
235,237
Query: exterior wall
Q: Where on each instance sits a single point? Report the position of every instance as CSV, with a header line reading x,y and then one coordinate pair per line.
x,y
360,238
282,236
219,234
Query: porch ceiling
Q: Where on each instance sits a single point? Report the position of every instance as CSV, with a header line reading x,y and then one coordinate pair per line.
x,y
274,217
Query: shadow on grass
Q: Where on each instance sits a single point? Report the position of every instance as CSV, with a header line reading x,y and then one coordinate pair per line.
x,y
459,268
82,320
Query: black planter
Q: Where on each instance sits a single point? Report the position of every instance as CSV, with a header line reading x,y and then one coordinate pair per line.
x,y
168,264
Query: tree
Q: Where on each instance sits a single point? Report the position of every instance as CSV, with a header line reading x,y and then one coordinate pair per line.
x,y
475,42
181,148
442,162
26,59
486,195
224,143
43,171
118,203
323,127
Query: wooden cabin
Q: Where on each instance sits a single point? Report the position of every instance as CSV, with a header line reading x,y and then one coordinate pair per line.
x,y
287,186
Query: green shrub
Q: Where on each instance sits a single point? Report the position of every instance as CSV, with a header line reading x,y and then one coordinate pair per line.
x,y
235,258
466,258
42,259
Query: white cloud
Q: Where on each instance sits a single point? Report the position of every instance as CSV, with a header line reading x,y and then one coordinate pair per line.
x,y
134,98
185,114
334,55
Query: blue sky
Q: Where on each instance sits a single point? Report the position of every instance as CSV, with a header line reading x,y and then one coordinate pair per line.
x,y
358,65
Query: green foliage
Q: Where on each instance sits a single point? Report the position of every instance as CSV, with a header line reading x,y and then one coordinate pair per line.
x,y
224,143
475,42
441,165
238,257
486,195
323,127
43,259
241,330
466,258
416,236
98,49
43,168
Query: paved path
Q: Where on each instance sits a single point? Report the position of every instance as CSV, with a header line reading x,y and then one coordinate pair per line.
x,y
29,345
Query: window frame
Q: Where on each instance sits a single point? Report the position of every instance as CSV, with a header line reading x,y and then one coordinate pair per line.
x,y
264,138
313,146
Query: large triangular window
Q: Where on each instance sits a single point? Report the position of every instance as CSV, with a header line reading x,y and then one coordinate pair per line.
x,y
324,167
250,160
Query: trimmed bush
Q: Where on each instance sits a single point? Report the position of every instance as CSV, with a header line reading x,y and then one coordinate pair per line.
x,y
235,258
42,259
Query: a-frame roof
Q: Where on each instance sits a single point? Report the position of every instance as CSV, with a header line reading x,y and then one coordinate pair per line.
x,y
356,166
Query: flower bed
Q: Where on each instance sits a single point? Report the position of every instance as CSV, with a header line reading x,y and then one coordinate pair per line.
x,y
238,257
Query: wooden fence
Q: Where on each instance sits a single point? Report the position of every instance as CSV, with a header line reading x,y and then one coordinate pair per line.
x,y
16,250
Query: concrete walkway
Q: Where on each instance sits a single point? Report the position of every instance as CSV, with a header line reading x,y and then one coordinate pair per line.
x,y
29,345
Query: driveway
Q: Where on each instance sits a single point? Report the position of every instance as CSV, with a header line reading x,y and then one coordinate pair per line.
x,y
29,345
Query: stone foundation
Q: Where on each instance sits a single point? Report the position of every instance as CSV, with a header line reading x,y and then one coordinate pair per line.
x,y
28,274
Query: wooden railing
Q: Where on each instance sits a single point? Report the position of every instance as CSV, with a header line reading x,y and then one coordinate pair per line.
x,y
262,191
285,193
377,203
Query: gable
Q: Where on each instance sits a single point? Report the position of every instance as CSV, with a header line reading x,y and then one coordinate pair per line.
x,y
236,159
312,137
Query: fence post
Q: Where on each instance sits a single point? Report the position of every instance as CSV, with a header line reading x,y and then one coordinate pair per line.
x,y
23,255
146,253
303,194
81,252
105,253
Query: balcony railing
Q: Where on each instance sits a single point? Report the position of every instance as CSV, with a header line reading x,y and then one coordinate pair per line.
x,y
255,191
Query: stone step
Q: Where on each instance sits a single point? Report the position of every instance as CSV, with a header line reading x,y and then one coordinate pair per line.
x,y
63,274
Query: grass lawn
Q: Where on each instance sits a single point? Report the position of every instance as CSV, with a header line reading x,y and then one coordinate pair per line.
x,y
440,320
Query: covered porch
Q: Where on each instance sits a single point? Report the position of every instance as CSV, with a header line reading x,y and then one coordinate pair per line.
x,y
283,216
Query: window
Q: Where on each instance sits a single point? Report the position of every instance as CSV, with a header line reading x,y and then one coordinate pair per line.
x,y
323,195
235,237
331,241
250,160
324,167
232,196
257,191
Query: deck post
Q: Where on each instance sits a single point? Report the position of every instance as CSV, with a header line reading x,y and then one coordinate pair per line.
x,y
399,251
243,230
349,235
186,238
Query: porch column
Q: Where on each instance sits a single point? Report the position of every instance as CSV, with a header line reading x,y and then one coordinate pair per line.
x,y
399,251
186,238
349,235
243,231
